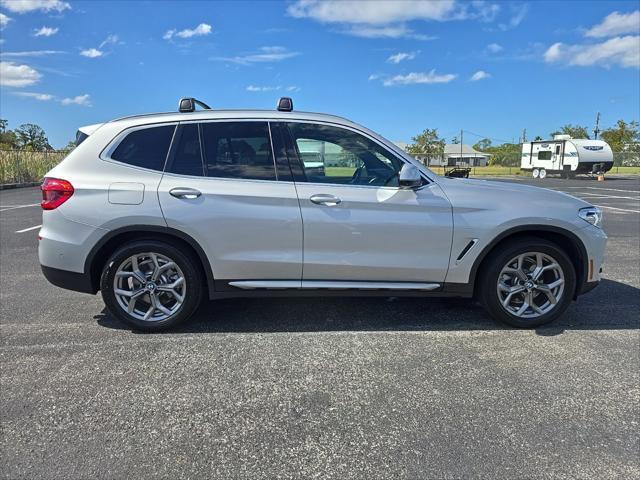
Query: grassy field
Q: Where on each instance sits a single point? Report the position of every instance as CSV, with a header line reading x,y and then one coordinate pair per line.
x,y
17,166
495,170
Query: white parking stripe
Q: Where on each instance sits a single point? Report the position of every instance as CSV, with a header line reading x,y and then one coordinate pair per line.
x,y
619,209
600,195
4,208
28,229
610,189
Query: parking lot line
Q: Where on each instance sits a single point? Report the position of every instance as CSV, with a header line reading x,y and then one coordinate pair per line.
x,y
28,229
5,208
602,195
619,209
600,188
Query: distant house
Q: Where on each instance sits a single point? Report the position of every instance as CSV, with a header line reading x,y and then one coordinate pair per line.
x,y
454,154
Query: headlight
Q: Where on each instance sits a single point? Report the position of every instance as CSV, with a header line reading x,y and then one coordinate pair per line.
x,y
593,215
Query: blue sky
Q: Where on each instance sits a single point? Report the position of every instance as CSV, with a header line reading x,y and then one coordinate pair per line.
x,y
491,68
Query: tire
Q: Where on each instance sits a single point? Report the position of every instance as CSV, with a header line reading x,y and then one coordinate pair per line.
x,y
535,173
176,290
494,296
543,173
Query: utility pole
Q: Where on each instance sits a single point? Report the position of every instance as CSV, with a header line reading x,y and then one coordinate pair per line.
x,y
524,135
596,130
461,132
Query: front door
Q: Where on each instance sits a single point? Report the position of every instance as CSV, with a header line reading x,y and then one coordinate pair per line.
x,y
358,224
221,188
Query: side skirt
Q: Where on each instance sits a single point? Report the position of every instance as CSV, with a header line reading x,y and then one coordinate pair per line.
x,y
313,288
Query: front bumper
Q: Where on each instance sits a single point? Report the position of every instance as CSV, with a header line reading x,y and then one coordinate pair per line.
x,y
595,241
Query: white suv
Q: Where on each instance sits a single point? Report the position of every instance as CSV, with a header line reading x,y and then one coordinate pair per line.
x,y
160,211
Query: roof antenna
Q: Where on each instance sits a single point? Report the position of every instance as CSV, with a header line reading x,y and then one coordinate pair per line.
x,y
188,104
285,104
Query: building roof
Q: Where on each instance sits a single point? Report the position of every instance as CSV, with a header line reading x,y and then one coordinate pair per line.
x,y
454,150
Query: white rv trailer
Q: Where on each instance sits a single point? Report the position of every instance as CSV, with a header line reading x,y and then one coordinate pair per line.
x,y
566,156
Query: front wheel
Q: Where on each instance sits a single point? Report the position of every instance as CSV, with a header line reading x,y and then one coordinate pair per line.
x,y
528,283
535,173
151,285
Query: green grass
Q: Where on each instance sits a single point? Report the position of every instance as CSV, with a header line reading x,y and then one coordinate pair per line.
x,y
17,166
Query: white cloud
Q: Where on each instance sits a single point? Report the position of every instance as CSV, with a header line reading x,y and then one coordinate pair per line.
x,y
622,51
479,75
4,20
199,31
82,100
419,77
616,24
373,12
495,48
401,56
265,54
91,53
43,97
292,88
110,40
45,32
385,31
31,53
518,14
254,88
14,75
374,76
24,6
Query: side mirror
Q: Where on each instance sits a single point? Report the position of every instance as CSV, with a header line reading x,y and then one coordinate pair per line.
x,y
410,176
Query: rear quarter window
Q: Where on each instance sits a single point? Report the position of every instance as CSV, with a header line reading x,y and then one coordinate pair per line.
x,y
145,148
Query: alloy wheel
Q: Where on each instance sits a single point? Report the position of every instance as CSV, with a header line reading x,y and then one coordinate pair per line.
x,y
149,286
530,285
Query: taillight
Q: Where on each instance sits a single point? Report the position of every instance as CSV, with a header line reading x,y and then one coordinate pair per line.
x,y
55,192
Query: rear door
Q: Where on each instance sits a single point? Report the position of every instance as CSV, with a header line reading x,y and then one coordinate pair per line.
x,y
358,224
221,187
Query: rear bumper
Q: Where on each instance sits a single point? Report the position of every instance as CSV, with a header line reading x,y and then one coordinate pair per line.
x,y
79,282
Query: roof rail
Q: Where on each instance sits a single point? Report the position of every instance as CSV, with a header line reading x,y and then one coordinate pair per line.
x,y
188,104
285,104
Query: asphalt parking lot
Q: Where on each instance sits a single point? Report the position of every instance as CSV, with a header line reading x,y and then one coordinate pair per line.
x,y
321,388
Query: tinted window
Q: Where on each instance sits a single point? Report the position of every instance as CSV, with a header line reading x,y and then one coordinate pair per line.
x,y
187,159
544,155
336,155
238,150
145,148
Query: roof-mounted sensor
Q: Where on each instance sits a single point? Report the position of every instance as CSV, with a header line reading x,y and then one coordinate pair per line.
x,y
189,105
285,104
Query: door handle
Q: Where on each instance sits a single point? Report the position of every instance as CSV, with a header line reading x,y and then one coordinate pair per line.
x,y
325,199
182,192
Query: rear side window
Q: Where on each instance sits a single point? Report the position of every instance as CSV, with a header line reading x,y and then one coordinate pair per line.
x,y
544,155
146,148
238,150
187,159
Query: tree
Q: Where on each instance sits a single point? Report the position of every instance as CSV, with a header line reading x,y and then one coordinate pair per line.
x,y
428,144
622,135
455,141
32,137
483,145
8,139
537,139
576,131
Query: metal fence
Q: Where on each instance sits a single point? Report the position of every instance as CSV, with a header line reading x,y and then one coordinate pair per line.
x,y
25,166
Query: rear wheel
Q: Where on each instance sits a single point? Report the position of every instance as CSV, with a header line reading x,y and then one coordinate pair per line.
x,y
151,286
528,283
543,173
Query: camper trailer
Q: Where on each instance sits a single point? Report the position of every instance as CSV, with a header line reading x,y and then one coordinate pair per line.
x,y
566,156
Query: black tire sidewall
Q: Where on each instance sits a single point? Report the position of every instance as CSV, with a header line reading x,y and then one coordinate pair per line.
x,y
186,263
496,262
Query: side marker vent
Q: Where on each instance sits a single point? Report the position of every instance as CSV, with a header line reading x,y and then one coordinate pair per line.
x,y
466,249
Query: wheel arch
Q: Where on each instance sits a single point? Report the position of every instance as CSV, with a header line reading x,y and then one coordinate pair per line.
x,y
564,239
108,244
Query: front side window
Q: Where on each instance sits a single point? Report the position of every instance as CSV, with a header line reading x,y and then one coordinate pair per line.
x,y
238,150
336,155
146,147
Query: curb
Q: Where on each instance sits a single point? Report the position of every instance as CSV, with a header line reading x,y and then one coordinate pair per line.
x,y
10,186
